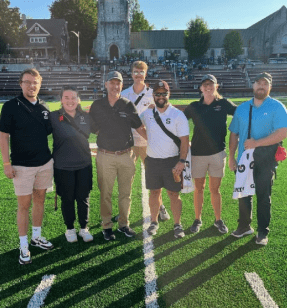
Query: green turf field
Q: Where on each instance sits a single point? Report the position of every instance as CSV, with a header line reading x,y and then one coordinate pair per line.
x,y
204,270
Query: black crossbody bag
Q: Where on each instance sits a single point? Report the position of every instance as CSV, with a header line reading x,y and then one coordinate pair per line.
x,y
73,124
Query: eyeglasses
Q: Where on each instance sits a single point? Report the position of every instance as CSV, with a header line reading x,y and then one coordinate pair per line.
x,y
139,73
161,94
29,83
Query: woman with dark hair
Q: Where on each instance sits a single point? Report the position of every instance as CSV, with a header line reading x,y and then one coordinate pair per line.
x,y
72,162
209,116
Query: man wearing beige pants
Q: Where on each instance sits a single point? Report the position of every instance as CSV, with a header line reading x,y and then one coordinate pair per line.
x,y
115,116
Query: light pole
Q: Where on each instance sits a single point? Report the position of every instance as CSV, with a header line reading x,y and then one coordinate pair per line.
x,y
78,36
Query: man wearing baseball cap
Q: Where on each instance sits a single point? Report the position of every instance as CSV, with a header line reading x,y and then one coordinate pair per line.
x,y
114,117
268,128
164,160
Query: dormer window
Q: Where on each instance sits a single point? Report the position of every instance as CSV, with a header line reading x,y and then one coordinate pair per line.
x,y
37,29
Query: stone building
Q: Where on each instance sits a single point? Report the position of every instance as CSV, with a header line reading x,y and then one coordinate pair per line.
x,y
113,37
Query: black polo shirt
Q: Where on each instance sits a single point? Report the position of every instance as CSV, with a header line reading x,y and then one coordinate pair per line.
x,y
28,135
209,125
114,123
71,149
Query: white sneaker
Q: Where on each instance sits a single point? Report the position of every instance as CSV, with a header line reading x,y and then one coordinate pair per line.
x,y
42,243
25,256
71,235
86,235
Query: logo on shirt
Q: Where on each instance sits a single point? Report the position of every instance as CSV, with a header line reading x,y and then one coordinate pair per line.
x,y
123,114
82,120
45,113
217,108
167,121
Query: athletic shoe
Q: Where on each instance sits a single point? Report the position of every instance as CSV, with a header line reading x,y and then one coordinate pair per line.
x,y
163,214
240,232
129,232
152,229
261,239
25,256
109,234
117,218
71,235
178,231
42,243
219,224
86,235
196,226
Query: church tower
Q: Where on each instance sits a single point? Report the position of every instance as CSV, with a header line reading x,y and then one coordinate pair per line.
x,y
113,38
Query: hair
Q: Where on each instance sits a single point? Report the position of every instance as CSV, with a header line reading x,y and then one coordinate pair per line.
x,y
32,72
216,94
140,65
74,89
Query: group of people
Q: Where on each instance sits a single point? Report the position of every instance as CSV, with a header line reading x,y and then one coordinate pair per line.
x,y
138,122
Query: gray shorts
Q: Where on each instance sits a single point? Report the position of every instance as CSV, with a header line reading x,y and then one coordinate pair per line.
x,y
158,173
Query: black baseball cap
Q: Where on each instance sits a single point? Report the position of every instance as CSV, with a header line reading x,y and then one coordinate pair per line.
x,y
209,77
114,75
264,75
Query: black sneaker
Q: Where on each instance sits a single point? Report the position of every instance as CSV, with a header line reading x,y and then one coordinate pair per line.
x,y
219,224
196,226
240,232
129,232
42,243
109,234
25,256
261,239
178,231
152,229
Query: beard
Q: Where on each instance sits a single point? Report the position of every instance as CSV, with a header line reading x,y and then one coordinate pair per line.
x,y
161,105
261,94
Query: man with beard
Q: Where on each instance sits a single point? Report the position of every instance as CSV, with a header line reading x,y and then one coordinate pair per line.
x,y
268,127
164,161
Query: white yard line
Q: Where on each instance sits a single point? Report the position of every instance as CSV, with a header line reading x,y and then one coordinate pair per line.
x,y
41,292
261,293
150,273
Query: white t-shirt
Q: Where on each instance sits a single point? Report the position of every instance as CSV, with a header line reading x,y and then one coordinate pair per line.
x,y
159,145
146,100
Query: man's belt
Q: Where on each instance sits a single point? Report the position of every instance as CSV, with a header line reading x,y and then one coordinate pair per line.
x,y
116,152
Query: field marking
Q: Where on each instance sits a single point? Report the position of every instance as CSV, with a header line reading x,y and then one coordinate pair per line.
x,y
150,273
261,293
41,292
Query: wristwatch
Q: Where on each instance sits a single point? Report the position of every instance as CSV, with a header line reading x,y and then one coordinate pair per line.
x,y
182,160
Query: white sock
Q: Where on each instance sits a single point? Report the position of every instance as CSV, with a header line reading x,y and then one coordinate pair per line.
x,y
36,232
24,241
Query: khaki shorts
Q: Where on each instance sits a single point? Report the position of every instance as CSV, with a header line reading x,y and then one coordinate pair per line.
x,y
213,164
29,178
140,152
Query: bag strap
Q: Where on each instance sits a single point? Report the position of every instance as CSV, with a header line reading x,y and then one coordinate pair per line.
x,y
139,99
249,125
73,124
166,131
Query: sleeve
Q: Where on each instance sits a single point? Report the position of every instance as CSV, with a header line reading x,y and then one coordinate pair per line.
x,y
134,117
280,117
93,126
188,111
6,119
182,125
234,125
230,107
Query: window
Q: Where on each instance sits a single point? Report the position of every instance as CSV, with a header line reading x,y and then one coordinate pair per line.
x,y
38,40
44,40
32,40
37,29
153,53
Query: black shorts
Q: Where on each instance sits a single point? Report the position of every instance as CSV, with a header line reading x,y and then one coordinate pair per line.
x,y
158,173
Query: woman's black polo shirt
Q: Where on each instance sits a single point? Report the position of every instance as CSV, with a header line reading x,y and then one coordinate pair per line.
x,y
28,135
114,123
209,125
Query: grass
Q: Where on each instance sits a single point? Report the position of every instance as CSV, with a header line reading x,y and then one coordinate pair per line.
x,y
201,270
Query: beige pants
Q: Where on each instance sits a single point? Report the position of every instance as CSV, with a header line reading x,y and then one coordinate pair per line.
x,y
110,167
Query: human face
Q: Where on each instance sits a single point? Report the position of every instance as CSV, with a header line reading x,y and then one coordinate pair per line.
x,y
114,88
30,86
161,101
261,89
70,101
208,88
139,75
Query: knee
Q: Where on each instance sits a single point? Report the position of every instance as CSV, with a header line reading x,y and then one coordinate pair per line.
x,y
199,189
215,191
173,195
155,193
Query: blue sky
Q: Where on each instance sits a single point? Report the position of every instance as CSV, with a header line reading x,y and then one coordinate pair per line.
x,y
175,15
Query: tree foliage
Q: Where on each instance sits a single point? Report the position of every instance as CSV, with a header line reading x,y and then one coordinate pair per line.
x,y
140,23
11,30
134,6
82,16
197,38
233,44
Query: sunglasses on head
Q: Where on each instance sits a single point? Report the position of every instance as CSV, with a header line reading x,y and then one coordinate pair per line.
x,y
139,73
161,94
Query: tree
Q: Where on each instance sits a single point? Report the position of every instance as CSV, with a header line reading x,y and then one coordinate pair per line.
x,y
134,6
82,16
140,23
232,44
11,31
196,38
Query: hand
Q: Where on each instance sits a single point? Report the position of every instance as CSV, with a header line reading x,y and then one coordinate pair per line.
x,y
9,172
250,144
232,163
179,168
151,106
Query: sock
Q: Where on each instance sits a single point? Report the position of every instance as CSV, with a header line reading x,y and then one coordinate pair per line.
x,y
24,241
36,232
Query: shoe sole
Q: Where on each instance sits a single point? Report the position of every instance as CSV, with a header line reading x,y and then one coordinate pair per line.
x,y
86,241
245,233
71,241
45,248
223,232
24,262
110,239
178,236
128,235
261,243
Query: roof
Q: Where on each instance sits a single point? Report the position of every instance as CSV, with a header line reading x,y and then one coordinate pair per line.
x,y
53,26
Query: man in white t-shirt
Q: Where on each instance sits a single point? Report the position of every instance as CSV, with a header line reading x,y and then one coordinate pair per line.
x,y
165,160
141,95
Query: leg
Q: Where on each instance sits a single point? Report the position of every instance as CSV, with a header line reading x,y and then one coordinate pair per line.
x,y
24,203
245,212
176,205
198,196
38,206
154,204
214,185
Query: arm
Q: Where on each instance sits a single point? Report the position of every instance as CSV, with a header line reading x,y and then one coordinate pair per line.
x,y
277,136
233,143
183,153
142,131
4,147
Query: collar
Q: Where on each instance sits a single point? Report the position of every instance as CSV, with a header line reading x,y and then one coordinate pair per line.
x,y
201,101
263,103
143,91
167,111
62,111
24,99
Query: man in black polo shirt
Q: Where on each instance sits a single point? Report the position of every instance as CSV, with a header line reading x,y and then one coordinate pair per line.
x,y
115,116
24,120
